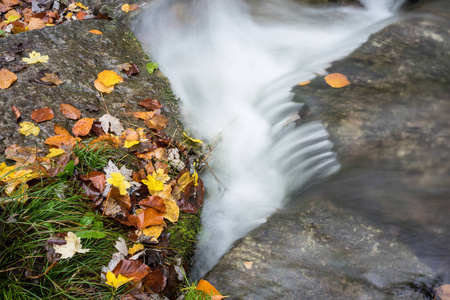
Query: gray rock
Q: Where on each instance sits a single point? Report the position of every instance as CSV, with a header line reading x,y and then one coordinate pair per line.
x,y
379,228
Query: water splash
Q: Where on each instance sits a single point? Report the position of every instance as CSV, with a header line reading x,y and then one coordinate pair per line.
x,y
233,63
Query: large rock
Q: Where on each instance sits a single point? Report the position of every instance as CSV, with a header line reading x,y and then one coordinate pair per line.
x,y
78,56
360,235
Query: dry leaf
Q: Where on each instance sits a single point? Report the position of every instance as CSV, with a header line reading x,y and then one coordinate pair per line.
x,y
158,122
95,31
133,7
209,289
72,246
35,57
337,80
21,154
36,23
172,210
304,83
59,140
13,13
150,104
10,2
82,127
102,88
16,112
59,130
109,78
144,115
70,111
110,123
126,7
248,264
6,78
42,114
52,78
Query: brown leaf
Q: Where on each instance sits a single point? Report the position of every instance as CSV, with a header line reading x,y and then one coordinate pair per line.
x,y
70,111
51,77
443,292
10,2
90,190
42,114
150,104
6,78
148,216
82,15
132,269
82,127
98,179
16,112
59,130
158,122
12,13
21,154
36,23
4,8
191,198
134,70
144,115
123,200
155,202
155,281
60,140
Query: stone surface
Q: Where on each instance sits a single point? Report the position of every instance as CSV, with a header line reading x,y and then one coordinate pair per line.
x,y
378,228
78,56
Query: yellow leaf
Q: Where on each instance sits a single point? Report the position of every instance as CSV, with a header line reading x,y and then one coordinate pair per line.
x,y
6,78
172,210
337,80
109,78
182,182
160,176
195,177
153,231
153,184
195,141
12,15
102,88
95,31
55,152
118,180
135,248
82,6
118,281
35,57
126,7
28,128
11,19
129,144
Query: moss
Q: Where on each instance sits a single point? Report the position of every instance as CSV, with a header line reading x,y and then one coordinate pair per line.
x,y
183,235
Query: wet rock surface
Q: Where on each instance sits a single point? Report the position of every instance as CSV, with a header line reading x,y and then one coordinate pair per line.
x,y
77,56
379,228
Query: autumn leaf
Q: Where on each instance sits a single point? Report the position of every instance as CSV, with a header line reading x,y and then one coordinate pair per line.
x,y
132,269
118,180
82,127
59,130
80,5
150,104
98,180
209,289
172,210
109,78
144,115
6,78
51,78
184,180
337,80
129,144
125,7
95,31
28,128
61,139
72,246
11,3
151,67
160,176
55,152
42,114
110,123
12,15
70,111
35,57
102,88
16,112
118,281
135,248
155,202
158,122
153,184
148,216
304,83
192,139
36,23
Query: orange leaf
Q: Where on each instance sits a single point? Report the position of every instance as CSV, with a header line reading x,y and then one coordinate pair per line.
x,y
52,78
304,83
59,140
42,114
36,23
337,80
12,13
6,78
209,289
158,122
16,112
98,180
95,31
133,7
81,15
109,78
10,2
21,154
82,127
155,202
70,111
102,88
60,130
148,216
126,7
144,115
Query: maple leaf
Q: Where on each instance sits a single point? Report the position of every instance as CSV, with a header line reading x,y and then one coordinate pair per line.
x,y
127,173
55,152
118,281
118,180
153,184
337,80
109,78
72,246
6,78
110,123
135,248
35,57
28,128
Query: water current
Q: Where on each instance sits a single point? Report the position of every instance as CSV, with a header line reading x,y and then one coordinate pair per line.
x,y
233,63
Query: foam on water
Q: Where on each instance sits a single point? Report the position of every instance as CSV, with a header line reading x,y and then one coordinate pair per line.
x,y
233,63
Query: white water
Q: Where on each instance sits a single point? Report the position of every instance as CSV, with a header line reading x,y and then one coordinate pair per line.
x,y
233,64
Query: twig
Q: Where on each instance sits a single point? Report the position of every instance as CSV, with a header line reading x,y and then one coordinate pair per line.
x,y
46,271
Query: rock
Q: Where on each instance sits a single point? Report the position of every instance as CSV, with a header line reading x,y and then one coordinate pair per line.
x,y
78,56
379,228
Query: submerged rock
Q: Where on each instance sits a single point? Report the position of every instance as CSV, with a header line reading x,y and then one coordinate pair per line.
x,y
379,228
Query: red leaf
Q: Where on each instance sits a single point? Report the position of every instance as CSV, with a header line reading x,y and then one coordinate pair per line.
x,y
150,104
155,281
42,114
131,269
155,202
98,179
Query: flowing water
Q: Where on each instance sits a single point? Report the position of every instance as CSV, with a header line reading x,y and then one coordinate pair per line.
x,y
233,63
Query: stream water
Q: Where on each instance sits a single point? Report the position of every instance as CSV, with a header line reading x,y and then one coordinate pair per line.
x,y
233,63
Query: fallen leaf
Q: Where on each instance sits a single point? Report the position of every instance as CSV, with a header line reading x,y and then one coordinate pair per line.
x,y
134,70
59,130
36,23
155,202
337,80
134,7
72,246
191,139
98,179
82,127
153,184
118,180
28,128
132,269
248,265
16,112
118,281
172,210
109,78
55,152
209,289
135,248
81,15
144,115
155,281
13,14
151,67
35,57
150,104
124,67
148,216
443,292
51,78
80,5
110,123
102,88
125,7
304,83
70,111
152,232
6,78
42,114
95,31
121,246
158,122
10,2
